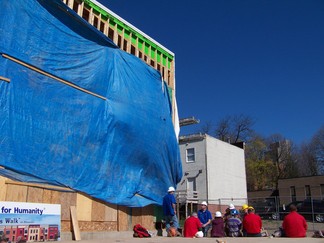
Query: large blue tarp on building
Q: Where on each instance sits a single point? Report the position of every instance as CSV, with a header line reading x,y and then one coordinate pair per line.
x,y
114,140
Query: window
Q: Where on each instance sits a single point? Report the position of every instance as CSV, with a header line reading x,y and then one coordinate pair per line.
x,y
190,155
293,193
191,184
308,192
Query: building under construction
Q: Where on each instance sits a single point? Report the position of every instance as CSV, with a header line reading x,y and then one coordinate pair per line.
x,y
80,123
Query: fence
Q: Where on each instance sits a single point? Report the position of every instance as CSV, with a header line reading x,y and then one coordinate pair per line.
x,y
272,210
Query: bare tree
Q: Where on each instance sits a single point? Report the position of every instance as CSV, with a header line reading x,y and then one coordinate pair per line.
x,y
317,144
207,127
281,154
307,158
235,128
223,128
242,128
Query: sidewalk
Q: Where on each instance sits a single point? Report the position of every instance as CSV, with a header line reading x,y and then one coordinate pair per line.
x,y
126,237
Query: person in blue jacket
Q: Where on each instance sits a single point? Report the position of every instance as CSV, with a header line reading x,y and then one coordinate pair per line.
x,y
205,218
169,210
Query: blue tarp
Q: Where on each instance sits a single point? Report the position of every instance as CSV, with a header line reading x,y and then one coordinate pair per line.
x,y
121,148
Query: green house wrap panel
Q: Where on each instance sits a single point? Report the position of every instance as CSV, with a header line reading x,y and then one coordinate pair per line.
x,y
126,34
121,26
153,53
158,58
133,39
140,44
119,29
146,49
112,23
169,63
164,62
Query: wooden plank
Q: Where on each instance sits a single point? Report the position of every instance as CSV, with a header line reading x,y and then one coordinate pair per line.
x,y
5,79
98,211
123,222
84,207
3,188
55,197
67,199
136,216
47,196
75,223
51,76
16,193
35,195
147,217
44,186
111,212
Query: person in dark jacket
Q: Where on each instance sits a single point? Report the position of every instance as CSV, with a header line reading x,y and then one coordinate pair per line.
x,y
218,225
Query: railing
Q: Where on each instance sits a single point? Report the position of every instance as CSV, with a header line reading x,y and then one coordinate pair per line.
x,y
187,201
187,196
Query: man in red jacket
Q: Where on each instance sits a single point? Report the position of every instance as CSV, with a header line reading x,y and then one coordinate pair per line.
x,y
192,225
294,224
252,224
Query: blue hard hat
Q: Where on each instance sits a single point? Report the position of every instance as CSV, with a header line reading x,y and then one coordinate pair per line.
x,y
234,212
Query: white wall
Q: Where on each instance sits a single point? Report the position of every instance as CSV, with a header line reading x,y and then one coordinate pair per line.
x,y
225,172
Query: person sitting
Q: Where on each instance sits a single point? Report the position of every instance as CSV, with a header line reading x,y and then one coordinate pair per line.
x,y
252,223
218,225
294,224
191,226
205,218
234,224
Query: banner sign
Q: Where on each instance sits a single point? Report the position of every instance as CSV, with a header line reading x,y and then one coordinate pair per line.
x,y
30,221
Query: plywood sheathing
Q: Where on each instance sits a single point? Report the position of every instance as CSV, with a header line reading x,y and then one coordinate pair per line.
x,y
35,195
143,216
124,223
111,212
3,188
97,226
92,214
84,207
67,199
16,193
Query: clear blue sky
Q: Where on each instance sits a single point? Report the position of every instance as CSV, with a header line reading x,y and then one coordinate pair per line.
x,y
262,58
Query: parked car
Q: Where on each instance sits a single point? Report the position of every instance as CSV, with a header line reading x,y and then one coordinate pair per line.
x,y
311,209
266,208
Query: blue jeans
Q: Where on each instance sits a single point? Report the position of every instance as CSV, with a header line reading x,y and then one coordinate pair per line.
x,y
170,218
205,229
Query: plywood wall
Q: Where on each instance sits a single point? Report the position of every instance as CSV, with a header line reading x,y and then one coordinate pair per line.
x,y
92,215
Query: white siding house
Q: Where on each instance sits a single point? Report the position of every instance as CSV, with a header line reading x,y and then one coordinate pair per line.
x,y
213,168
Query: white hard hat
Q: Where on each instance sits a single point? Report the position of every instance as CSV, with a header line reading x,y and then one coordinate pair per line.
x,y
199,234
218,214
231,206
171,189
204,203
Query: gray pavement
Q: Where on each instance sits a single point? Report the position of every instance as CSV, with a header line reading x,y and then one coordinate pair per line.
x,y
126,237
